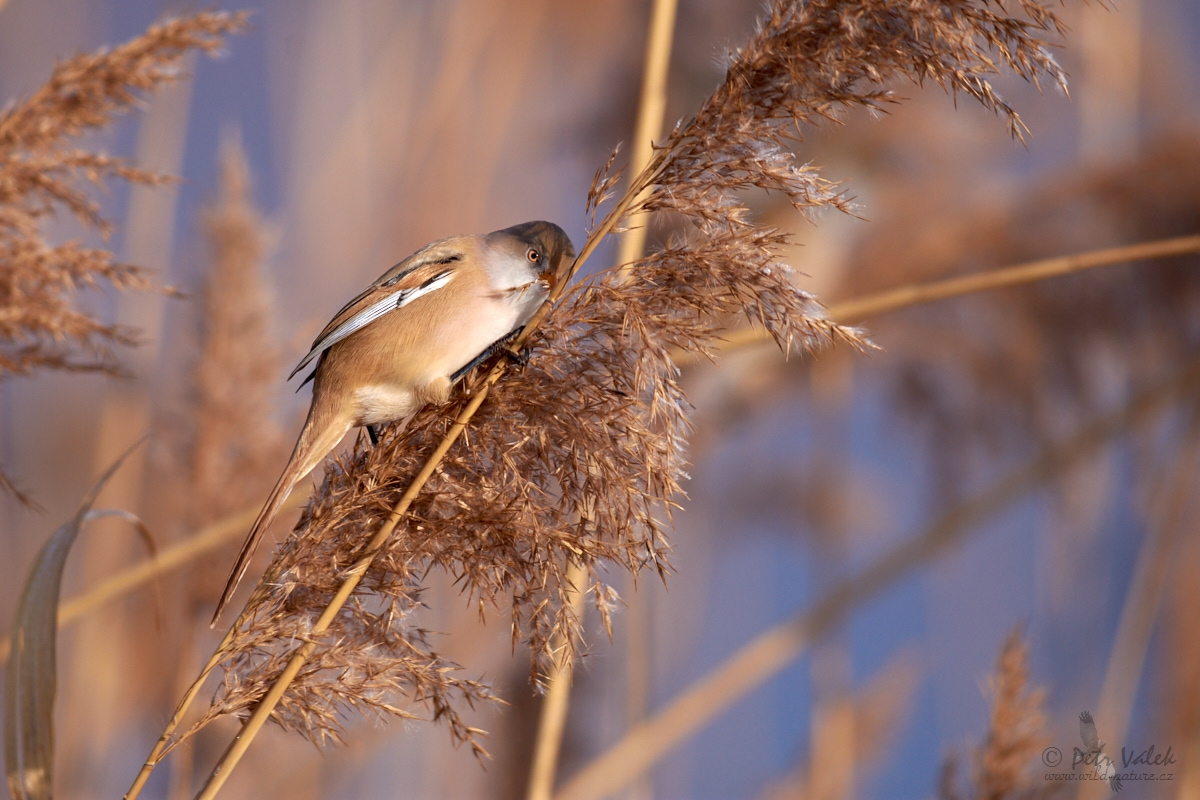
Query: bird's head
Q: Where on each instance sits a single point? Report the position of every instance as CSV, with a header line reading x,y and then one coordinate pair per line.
x,y
546,246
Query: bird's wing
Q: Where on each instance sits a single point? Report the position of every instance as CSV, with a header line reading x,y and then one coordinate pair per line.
x,y
423,272
1087,730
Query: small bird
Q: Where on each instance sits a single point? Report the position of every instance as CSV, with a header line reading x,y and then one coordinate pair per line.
x,y
1105,768
409,336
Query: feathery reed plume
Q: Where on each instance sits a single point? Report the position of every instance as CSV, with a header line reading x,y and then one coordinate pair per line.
x,y
41,173
236,436
577,458
1016,734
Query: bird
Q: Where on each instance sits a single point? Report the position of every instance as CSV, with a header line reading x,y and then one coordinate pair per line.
x,y
1105,769
408,337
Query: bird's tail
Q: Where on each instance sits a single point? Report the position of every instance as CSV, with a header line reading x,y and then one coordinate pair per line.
x,y
314,444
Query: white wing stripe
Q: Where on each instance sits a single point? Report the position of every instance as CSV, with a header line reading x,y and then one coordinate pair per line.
x,y
429,286
375,311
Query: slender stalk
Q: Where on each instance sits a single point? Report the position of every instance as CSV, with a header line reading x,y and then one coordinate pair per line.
x,y
767,654
651,108
183,765
553,718
651,112
1144,598
914,294
160,747
638,673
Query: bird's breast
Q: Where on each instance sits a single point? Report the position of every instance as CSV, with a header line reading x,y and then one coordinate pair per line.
x,y
485,318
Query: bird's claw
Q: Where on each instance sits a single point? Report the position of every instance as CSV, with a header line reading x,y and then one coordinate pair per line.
x,y
519,357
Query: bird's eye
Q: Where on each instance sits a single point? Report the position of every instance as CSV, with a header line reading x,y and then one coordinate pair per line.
x,y
533,255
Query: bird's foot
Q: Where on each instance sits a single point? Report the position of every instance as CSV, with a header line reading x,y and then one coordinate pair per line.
x,y
519,357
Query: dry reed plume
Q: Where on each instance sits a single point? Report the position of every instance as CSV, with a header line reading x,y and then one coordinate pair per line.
x,y
577,457
236,438
1016,735
43,172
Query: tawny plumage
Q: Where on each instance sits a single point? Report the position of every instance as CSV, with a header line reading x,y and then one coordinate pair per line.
x,y
405,340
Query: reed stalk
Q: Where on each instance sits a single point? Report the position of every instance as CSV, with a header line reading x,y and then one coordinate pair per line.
x,y
553,718
648,128
1168,523
856,310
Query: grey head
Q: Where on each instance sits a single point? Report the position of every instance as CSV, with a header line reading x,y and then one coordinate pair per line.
x,y
544,243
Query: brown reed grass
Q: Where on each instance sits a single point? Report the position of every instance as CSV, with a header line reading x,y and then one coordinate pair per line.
x,y
43,173
1016,732
236,438
1015,738
577,457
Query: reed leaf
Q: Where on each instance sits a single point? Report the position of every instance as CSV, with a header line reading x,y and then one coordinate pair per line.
x,y
30,688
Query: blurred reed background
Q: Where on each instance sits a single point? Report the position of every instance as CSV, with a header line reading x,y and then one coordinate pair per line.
x,y
333,139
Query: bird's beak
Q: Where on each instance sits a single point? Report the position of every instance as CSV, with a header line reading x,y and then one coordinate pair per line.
x,y
554,275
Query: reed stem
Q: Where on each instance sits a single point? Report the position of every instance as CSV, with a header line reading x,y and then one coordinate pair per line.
x,y
553,718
